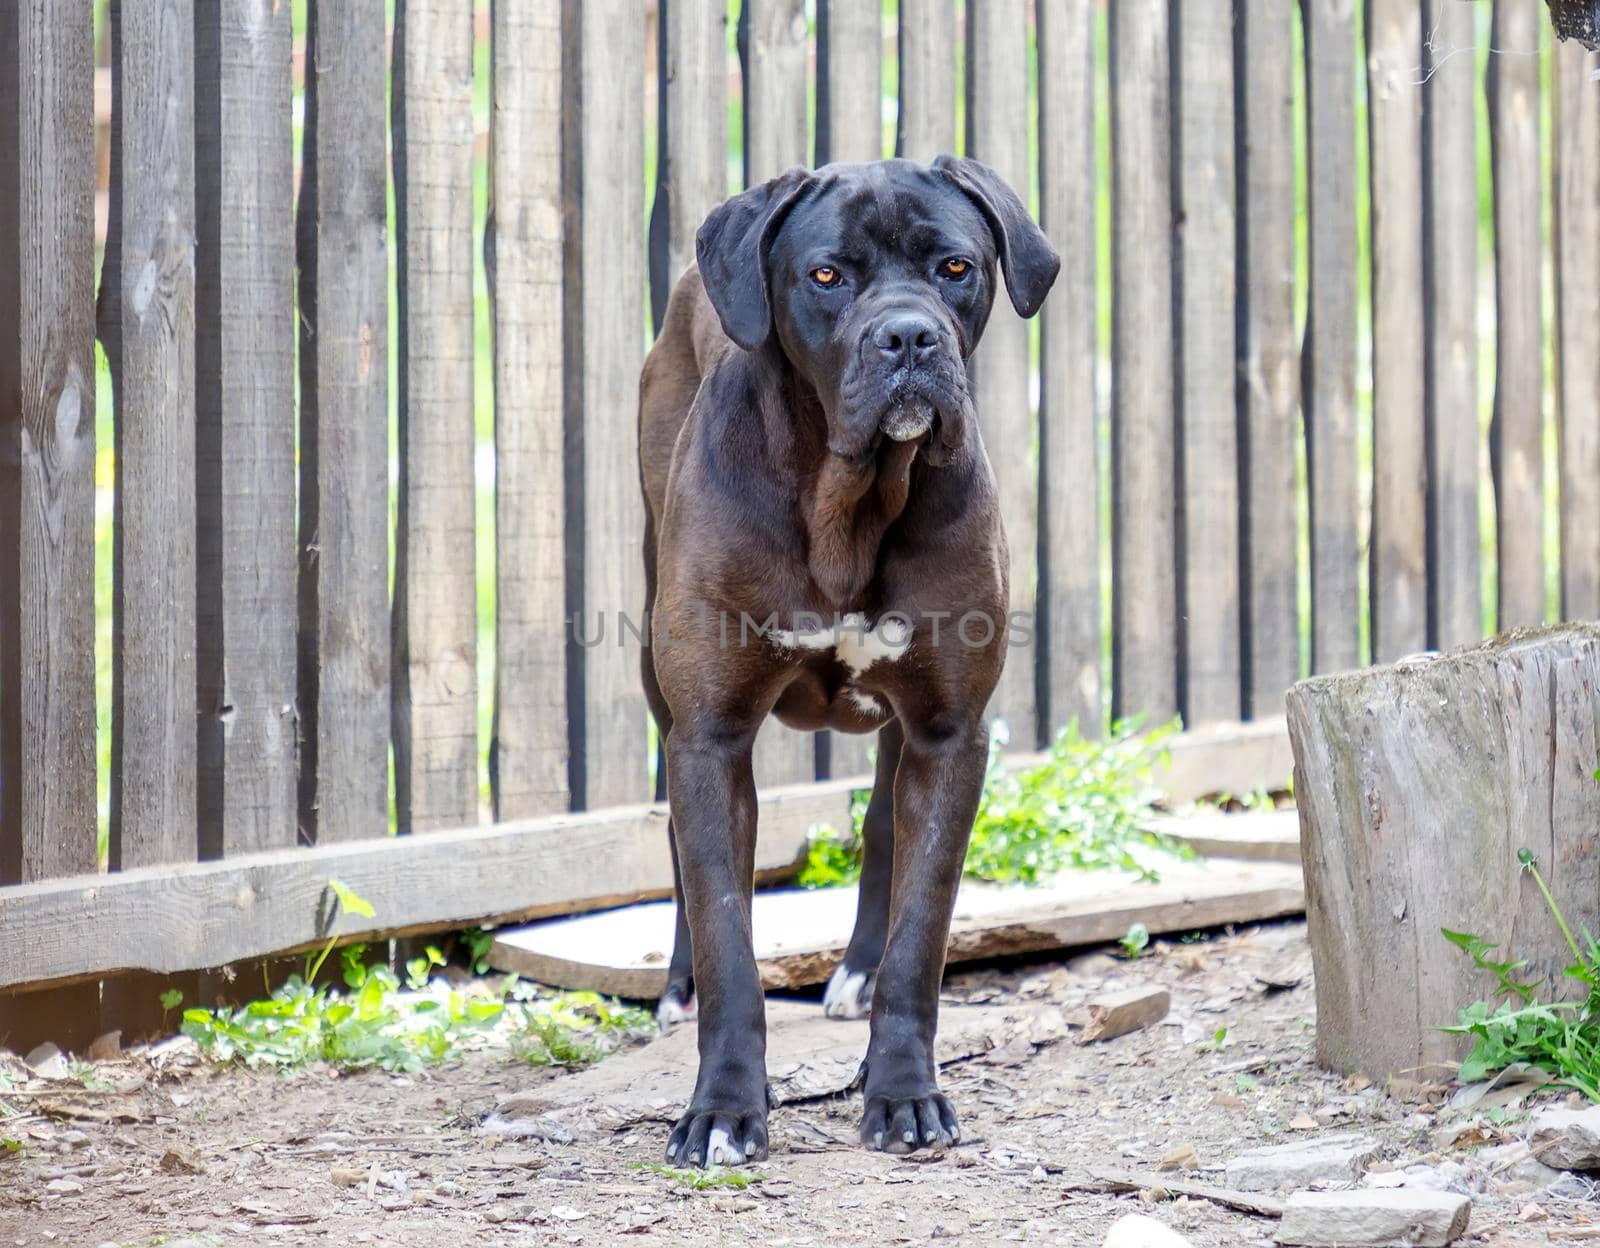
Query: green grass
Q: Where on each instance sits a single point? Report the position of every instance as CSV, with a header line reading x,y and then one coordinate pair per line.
x,y
712,1178
1084,808
1559,1037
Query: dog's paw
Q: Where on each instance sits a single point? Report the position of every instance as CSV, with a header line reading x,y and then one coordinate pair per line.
x,y
849,993
710,1137
677,1005
903,1124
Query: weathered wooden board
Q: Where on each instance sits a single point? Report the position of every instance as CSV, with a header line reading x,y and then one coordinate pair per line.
x,y
1143,478
1418,784
849,80
1517,437
605,268
1070,683
47,451
693,179
1577,262
1272,836
1328,366
1450,298
343,248
997,134
1399,585
244,426
435,703
1226,758
523,244
927,123
800,936
1269,375
773,50
1207,427
146,320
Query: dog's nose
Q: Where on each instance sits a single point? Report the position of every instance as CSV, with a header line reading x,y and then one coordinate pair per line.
x,y
906,339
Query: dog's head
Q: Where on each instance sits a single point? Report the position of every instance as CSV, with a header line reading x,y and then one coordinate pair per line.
x,y
876,282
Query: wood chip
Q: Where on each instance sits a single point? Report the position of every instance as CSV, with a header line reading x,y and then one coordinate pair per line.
x,y
1117,1013
1135,1181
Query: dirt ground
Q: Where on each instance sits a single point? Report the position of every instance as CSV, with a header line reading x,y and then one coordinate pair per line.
x,y
183,1153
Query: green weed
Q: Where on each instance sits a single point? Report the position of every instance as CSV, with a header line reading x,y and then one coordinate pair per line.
x,y
578,1029
1136,941
1559,1037
703,1180
1085,807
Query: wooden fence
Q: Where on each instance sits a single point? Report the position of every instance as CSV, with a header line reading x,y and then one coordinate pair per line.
x,y
1282,475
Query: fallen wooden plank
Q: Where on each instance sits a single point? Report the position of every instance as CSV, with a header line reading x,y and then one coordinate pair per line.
x,y
1117,1013
800,936
1268,837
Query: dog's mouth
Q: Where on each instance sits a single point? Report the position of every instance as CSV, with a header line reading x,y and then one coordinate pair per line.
x,y
909,419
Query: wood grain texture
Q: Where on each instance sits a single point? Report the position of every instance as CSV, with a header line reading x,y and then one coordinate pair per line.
x,y
343,246
528,754
170,919
1205,225
849,80
927,38
47,715
435,701
1268,352
146,321
1417,785
1143,475
1328,363
244,427
1450,300
773,50
997,134
693,179
1577,270
604,274
1070,683
1399,504
1517,434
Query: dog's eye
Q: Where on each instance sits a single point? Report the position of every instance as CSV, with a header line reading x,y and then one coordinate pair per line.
x,y
825,276
955,268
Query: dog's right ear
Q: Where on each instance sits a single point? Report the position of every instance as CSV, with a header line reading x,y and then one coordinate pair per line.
x,y
731,250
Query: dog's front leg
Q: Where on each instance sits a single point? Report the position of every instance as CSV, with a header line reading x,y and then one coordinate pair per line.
x,y
936,793
713,794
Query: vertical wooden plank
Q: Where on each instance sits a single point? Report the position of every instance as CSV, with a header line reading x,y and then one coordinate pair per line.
x,y
772,50
435,710
146,320
523,242
1069,476
1268,352
523,247
604,129
343,247
1207,404
772,53
1517,434
849,80
1577,228
47,719
1143,476
1450,300
997,134
1328,366
1399,519
244,427
926,126
693,178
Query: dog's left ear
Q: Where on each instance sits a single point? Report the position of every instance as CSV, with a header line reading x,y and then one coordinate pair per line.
x,y
731,249
1027,259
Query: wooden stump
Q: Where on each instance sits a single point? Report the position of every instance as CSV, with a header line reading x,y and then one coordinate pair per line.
x,y
1417,784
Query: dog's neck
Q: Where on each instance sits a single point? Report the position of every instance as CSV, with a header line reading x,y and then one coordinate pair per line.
x,y
846,505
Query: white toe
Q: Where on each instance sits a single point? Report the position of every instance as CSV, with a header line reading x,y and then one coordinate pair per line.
x,y
670,1011
849,994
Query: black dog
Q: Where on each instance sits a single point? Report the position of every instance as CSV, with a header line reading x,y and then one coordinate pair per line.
x,y
824,544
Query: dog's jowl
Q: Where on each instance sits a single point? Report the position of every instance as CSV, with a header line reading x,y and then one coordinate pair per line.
x,y
824,544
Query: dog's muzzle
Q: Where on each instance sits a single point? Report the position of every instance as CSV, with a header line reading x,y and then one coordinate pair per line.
x,y
908,419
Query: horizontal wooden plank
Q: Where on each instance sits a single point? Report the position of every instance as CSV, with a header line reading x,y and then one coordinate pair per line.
x,y
1272,836
801,936
168,919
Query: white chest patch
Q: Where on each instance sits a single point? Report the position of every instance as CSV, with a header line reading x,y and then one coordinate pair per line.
x,y
855,645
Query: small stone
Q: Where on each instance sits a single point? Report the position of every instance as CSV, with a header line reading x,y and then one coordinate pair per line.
x,y
1515,1163
105,1048
1357,1219
344,1176
1285,1167
1568,1139
1115,1014
48,1062
180,1161
64,1187
1137,1231
1180,1157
